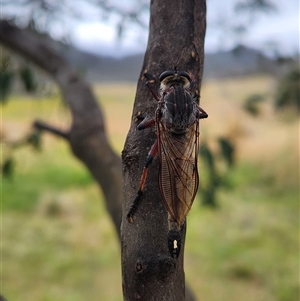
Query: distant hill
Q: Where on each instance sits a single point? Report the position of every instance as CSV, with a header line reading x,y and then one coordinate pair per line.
x,y
105,69
239,61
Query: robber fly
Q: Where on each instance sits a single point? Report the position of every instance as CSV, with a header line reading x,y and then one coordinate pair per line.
x,y
177,144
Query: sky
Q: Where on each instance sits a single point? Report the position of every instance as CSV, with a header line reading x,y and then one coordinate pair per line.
x,y
279,28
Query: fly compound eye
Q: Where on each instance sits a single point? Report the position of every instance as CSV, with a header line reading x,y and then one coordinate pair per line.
x,y
174,75
166,74
185,74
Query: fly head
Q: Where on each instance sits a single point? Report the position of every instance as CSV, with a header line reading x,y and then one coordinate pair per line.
x,y
174,77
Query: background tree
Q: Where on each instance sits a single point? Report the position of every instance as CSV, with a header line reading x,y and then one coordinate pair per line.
x,y
87,134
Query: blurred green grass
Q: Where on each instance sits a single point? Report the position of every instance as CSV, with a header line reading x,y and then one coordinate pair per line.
x,y
58,243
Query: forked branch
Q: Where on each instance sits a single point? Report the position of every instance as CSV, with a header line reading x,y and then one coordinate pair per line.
x,y
42,126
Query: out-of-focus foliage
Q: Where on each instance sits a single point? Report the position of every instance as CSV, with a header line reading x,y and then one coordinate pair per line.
x,y
237,21
8,165
288,91
34,139
216,174
27,77
14,69
6,77
252,102
58,17
255,6
227,151
208,189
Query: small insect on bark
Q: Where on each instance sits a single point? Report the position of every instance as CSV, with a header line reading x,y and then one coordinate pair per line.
x,y
177,145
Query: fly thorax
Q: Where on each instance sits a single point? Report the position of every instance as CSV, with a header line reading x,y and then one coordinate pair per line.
x,y
174,122
178,109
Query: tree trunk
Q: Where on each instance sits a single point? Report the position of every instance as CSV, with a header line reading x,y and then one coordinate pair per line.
x,y
176,38
87,135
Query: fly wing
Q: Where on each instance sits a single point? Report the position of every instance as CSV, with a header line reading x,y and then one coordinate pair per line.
x,y
178,176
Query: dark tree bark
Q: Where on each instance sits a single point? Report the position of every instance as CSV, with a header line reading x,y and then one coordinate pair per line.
x,y
176,38
87,135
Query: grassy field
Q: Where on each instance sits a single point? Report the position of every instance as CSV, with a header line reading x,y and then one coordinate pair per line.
x,y
58,243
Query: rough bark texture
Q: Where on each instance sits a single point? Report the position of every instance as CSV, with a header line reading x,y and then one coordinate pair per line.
x,y
87,136
176,38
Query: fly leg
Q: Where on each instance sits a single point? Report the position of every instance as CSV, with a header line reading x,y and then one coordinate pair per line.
x,y
201,113
152,153
150,85
146,123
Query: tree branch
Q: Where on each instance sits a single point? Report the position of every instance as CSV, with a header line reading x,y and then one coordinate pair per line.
x,y
40,125
176,38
